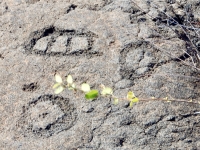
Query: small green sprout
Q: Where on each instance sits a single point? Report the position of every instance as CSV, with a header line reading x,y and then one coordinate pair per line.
x,y
107,91
91,95
70,85
69,79
58,86
130,95
59,89
167,99
58,78
85,87
116,101
132,98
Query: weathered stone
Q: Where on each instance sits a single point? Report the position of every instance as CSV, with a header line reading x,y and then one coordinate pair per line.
x,y
60,44
79,43
42,44
110,42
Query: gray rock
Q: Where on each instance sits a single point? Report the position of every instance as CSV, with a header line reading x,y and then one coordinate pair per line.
x,y
110,42
143,70
79,44
60,44
134,57
42,44
123,84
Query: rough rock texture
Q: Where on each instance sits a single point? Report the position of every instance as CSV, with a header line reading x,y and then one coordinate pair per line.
x,y
112,42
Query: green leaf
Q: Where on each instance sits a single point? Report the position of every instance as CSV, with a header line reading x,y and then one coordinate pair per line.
x,y
58,78
69,79
134,100
70,88
116,101
59,90
130,95
131,104
91,95
85,87
73,85
56,85
107,91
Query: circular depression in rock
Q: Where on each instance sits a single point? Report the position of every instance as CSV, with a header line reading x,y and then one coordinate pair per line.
x,y
47,115
137,59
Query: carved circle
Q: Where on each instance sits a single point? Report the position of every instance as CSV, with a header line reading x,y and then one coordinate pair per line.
x,y
47,115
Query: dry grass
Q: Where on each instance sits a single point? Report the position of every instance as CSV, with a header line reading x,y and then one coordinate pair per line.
x,y
188,31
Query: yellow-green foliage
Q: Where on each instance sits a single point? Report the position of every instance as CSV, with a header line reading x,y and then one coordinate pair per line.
x,y
90,94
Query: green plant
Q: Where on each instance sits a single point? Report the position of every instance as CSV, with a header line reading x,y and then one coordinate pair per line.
x,y
92,94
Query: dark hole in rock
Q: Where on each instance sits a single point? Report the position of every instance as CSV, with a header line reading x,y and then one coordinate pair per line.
x,y
30,87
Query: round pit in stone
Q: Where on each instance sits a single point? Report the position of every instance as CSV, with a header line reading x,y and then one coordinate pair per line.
x,y
47,115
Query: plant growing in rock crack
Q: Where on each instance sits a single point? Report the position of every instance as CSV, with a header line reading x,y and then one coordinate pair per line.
x,y
92,94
